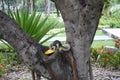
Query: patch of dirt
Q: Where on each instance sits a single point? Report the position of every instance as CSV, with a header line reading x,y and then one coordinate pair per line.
x,y
23,73
105,73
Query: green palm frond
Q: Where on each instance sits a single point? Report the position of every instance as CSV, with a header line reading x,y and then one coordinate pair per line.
x,y
34,24
46,39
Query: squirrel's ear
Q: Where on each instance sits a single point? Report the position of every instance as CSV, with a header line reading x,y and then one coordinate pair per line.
x,y
66,47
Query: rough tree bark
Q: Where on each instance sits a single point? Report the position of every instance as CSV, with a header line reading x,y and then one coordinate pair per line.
x,y
81,19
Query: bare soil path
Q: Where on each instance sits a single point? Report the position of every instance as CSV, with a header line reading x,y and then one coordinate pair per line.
x,y
23,73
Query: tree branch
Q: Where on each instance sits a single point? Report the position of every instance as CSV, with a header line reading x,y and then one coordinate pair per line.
x,y
32,53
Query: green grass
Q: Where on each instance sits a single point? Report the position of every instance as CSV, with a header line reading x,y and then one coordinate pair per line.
x,y
3,46
103,43
63,34
49,42
94,44
99,33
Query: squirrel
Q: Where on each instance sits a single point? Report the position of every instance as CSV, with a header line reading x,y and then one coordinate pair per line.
x,y
56,45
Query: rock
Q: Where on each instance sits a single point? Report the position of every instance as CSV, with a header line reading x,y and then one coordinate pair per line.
x,y
111,48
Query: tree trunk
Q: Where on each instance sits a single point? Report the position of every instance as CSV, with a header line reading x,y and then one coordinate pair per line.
x,y
47,7
81,19
32,5
58,14
8,5
23,1
27,5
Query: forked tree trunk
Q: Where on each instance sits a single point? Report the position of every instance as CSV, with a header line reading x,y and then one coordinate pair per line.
x,y
81,19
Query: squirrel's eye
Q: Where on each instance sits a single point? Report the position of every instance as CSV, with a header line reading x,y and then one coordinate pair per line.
x,y
53,47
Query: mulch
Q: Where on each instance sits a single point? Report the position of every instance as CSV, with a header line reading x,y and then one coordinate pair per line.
x,y
21,72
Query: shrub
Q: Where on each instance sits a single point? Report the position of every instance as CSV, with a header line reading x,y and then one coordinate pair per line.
x,y
3,66
13,59
94,54
2,70
115,60
113,20
7,60
117,43
106,57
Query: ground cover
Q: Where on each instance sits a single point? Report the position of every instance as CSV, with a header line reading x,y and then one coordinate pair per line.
x,y
23,73
94,44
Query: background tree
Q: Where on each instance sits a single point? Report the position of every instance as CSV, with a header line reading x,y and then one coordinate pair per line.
x,y
47,7
116,1
32,5
3,8
81,18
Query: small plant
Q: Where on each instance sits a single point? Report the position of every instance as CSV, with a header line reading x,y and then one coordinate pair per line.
x,y
115,60
105,57
2,69
94,53
13,59
7,60
2,66
113,20
117,43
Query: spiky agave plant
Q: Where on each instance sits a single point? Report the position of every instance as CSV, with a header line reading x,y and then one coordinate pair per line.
x,y
35,24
